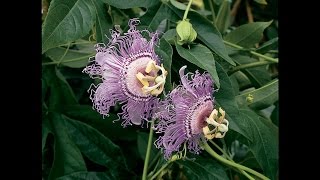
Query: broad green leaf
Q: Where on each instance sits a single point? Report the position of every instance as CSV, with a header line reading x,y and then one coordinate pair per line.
x,y
275,114
142,144
95,146
46,130
259,76
235,84
178,5
67,21
165,51
207,33
103,21
269,45
170,35
60,91
223,16
202,57
77,57
107,125
242,79
124,4
67,156
225,98
262,97
44,88
264,2
87,176
264,145
247,35
203,169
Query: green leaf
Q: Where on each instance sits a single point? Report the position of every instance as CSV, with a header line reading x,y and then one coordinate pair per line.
x,y
247,35
264,2
262,97
106,125
60,91
46,130
103,21
75,58
142,144
223,16
207,33
275,114
202,57
67,21
178,5
170,35
269,45
203,169
124,4
94,145
264,145
165,51
225,98
67,156
87,175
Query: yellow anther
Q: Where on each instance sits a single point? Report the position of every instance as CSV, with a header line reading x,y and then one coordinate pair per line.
x,y
220,125
142,79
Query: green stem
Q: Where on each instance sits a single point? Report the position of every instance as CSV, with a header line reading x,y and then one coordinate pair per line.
x,y
64,54
161,169
154,160
249,65
252,52
230,163
69,60
146,161
228,157
212,12
187,10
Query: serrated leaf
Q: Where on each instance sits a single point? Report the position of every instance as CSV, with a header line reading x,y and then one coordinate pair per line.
x,y
203,169
87,176
165,51
95,146
247,35
225,98
202,57
207,33
262,97
75,58
223,16
142,143
103,21
124,4
67,21
269,45
264,145
67,156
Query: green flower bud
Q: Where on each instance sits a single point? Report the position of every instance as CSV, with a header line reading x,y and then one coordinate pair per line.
x,y
249,98
186,33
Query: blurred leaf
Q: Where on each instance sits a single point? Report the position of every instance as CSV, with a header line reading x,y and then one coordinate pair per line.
x,y
142,144
60,90
165,51
269,45
275,114
95,146
235,84
264,2
247,35
207,33
178,5
202,57
44,88
242,80
67,156
67,21
203,169
264,144
223,16
170,35
262,97
87,176
124,4
106,125
74,58
45,131
103,21
225,98
259,76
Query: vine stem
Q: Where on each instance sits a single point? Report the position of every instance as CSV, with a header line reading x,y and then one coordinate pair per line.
x,y
65,61
252,52
187,10
161,169
146,160
212,11
206,147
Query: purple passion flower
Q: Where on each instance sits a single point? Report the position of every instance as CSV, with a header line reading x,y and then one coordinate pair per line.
x,y
131,74
184,116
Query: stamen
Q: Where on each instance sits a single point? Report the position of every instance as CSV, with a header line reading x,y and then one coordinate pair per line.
x,y
159,81
220,125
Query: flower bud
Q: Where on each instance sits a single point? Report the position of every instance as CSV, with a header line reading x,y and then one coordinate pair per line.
x,y
185,31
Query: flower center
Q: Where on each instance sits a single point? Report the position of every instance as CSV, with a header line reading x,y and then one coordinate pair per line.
x,y
199,116
153,84
219,124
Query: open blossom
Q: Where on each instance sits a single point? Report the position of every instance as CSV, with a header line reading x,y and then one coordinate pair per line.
x,y
186,113
131,75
